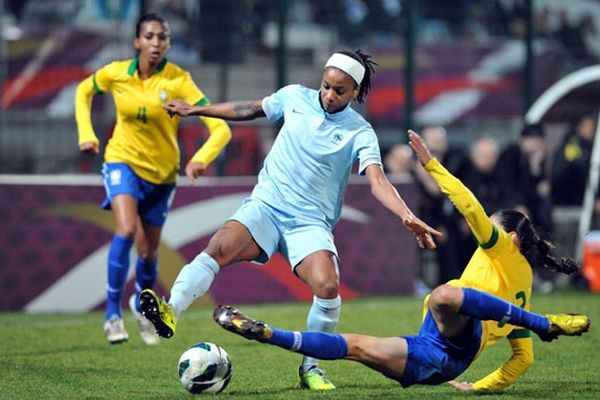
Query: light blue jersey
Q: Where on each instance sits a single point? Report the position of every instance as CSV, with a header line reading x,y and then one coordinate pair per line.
x,y
306,171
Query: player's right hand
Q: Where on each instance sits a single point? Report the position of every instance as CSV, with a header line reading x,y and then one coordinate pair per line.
x,y
422,232
195,169
178,107
89,148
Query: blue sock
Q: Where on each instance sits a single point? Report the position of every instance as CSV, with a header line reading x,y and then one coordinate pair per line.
x,y
145,277
485,307
118,267
325,346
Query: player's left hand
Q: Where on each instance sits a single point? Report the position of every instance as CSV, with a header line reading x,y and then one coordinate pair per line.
x,y
423,232
194,169
416,142
462,386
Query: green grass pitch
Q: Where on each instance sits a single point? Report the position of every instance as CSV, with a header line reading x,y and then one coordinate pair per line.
x,y
65,356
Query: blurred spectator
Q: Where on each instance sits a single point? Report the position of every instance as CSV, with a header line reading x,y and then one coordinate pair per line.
x,y
541,23
481,175
353,25
573,36
571,164
475,27
524,184
15,7
436,209
399,160
123,10
383,20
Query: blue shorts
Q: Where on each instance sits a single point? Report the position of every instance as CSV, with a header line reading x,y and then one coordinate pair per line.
x,y
274,230
433,359
153,200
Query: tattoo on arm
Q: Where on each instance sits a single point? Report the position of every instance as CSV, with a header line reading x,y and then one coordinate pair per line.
x,y
245,110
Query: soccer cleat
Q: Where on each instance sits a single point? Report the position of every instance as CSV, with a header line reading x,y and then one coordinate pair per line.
x,y
114,330
158,312
235,321
147,331
565,324
315,379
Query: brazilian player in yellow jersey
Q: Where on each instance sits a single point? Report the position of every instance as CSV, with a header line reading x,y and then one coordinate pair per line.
x,y
490,301
141,160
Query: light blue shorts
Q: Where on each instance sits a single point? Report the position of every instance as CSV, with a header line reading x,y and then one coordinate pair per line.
x,y
153,200
276,231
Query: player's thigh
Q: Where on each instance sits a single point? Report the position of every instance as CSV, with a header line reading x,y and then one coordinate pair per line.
x,y
320,271
232,242
386,355
147,239
124,207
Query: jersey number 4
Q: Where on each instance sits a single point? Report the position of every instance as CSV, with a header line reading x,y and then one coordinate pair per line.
x,y
141,114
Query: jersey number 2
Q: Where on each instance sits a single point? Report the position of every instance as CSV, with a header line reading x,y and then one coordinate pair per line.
x,y
519,296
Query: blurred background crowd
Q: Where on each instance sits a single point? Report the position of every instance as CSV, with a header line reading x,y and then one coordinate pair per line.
x,y
464,74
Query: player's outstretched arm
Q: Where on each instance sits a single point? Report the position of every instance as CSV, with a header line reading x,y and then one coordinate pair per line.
x,y
386,194
231,110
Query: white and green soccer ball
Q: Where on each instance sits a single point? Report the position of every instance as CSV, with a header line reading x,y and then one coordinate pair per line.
x,y
204,368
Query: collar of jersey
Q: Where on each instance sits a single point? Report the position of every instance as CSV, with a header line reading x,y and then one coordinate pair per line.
x,y
134,63
333,116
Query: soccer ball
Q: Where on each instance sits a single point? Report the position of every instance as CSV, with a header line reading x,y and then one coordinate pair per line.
x,y
204,368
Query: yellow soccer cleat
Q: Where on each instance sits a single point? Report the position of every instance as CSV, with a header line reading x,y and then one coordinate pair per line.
x,y
565,324
315,379
159,312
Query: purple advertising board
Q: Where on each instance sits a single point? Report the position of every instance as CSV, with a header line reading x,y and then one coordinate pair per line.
x,y
54,244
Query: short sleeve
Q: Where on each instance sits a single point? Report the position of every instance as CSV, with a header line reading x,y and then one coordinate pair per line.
x,y
274,105
366,148
190,92
103,78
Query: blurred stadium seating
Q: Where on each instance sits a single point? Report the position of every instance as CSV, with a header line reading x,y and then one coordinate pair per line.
x,y
470,60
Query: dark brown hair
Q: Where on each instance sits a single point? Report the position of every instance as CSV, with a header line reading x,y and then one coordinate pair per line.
x,y
535,249
148,18
369,65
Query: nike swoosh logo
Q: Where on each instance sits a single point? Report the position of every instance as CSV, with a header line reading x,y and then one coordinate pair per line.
x,y
296,111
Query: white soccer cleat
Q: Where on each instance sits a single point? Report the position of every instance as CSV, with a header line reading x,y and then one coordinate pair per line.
x,y
147,330
114,330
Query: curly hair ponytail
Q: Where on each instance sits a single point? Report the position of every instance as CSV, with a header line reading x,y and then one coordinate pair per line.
x,y
369,65
535,249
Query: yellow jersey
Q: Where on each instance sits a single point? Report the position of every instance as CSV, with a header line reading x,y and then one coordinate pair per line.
x,y
496,267
145,136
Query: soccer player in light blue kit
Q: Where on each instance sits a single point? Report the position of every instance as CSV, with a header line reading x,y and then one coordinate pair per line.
x,y
298,198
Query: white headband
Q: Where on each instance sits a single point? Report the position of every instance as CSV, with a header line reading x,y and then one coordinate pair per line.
x,y
347,64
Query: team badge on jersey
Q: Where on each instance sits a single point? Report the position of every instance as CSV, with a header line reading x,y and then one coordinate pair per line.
x,y
336,139
163,96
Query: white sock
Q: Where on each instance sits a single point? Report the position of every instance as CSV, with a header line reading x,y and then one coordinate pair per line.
x,y
323,316
193,281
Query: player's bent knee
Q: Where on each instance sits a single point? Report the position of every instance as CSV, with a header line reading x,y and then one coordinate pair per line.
x,y
147,256
445,296
326,290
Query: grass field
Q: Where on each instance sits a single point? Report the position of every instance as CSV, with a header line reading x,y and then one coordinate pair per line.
x,y
58,356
